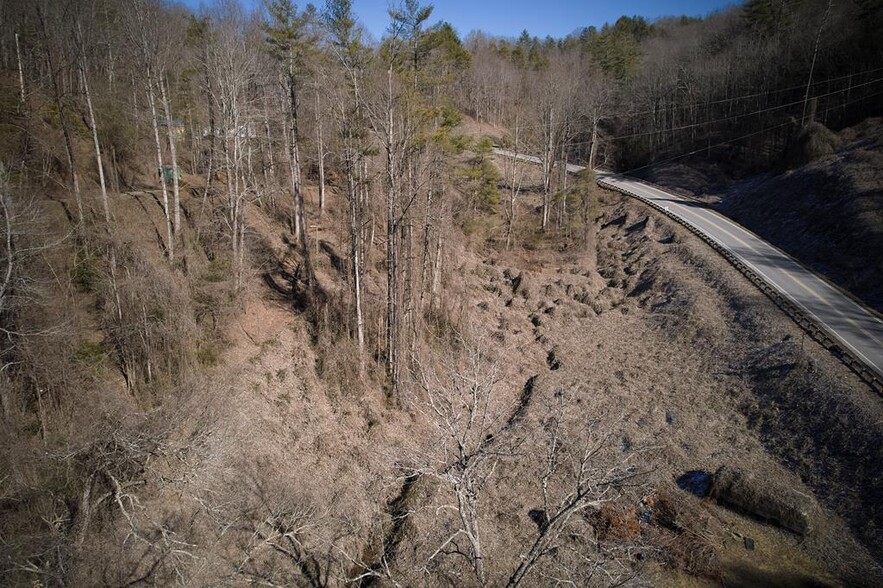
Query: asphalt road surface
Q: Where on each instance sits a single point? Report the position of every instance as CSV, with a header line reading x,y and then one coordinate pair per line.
x,y
851,325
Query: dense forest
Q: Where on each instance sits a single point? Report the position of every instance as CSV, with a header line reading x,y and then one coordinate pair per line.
x,y
374,161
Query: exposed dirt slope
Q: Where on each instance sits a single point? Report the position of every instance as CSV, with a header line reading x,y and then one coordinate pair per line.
x,y
697,368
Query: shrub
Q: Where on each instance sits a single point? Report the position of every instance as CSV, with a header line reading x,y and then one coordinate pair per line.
x,y
86,273
90,354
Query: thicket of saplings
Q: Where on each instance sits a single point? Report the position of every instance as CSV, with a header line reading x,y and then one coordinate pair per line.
x,y
137,137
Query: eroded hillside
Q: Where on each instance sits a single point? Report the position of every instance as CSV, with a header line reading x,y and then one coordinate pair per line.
x,y
582,379
272,313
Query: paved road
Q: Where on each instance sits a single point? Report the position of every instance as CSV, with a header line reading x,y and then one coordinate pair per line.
x,y
571,168
848,323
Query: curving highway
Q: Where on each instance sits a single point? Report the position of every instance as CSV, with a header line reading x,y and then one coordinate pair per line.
x,y
843,324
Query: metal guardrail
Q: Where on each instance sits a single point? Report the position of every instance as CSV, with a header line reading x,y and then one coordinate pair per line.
x,y
817,331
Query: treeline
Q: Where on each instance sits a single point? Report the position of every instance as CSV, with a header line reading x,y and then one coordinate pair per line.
x,y
135,115
739,84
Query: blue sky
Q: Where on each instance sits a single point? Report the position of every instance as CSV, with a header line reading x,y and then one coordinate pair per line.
x,y
509,17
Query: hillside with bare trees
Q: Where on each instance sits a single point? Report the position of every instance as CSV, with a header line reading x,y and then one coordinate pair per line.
x,y
273,313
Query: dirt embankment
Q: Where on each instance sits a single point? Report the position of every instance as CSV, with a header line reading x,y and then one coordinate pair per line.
x,y
691,360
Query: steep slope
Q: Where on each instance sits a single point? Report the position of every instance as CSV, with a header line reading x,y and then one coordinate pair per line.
x,y
658,350
201,434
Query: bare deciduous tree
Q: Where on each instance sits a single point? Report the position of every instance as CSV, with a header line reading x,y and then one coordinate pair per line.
x,y
460,401
93,125
350,54
583,470
55,73
144,29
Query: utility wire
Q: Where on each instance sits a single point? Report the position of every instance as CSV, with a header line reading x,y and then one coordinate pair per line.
x,y
733,99
730,118
735,116
707,147
745,96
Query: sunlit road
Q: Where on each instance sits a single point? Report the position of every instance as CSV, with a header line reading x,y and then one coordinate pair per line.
x,y
848,324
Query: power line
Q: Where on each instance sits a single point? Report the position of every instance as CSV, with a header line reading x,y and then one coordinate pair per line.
x,y
734,117
704,148
746,96
707,147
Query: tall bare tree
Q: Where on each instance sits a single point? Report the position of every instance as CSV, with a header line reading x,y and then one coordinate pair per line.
x,y
54,60
144,29
395,129
82,66
351,55
290,39
235,61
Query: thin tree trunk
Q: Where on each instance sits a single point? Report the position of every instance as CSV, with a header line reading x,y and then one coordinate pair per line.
x,y
26,111
294,156
240,272
9,245
548,163
391,257
114,168
231,164
94,127
366,234
21,75
427,232
266,153
62,115
151,99
514,189
355,230
408,236
300,225
271,163
815,54
321,156
210,102
562,186
173,154
436,271
111,77
469,520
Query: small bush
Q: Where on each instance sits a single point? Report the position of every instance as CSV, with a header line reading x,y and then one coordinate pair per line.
x,y
813,142
207,354
90,354
339,367
86,274
216,271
